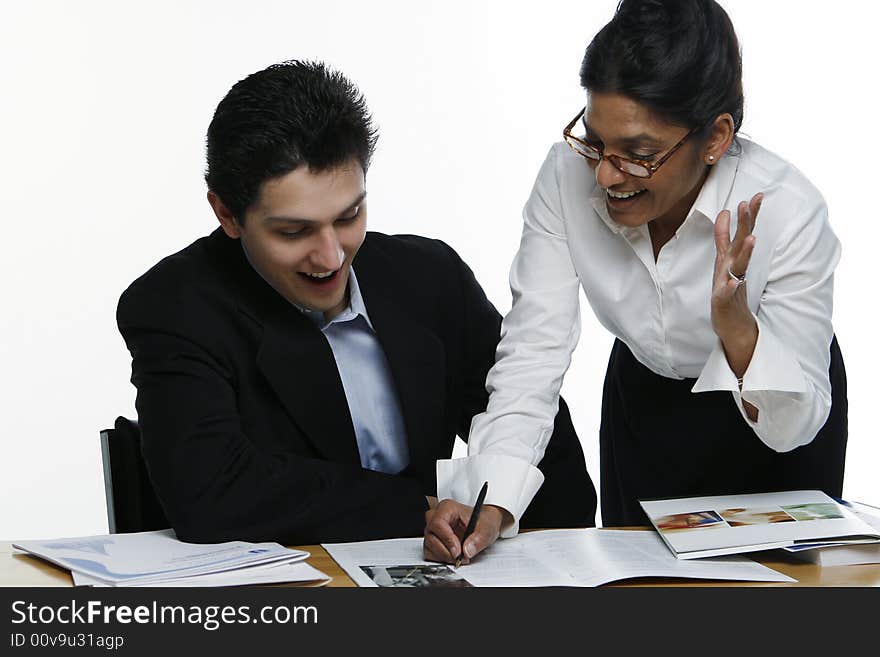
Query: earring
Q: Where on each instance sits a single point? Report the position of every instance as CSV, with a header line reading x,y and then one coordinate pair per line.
x,y
711,158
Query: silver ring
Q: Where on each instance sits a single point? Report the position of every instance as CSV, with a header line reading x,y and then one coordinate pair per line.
x,y
739,279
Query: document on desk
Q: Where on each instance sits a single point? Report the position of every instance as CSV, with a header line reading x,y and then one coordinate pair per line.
x,y
273,573
152,557
697,527
558,557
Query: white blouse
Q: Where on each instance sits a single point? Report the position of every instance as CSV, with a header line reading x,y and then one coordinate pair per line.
x,y
661,310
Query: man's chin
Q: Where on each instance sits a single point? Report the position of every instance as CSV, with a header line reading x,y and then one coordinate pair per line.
x,y
333,305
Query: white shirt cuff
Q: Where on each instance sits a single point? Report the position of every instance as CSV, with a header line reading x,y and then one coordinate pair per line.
x,y
773,367
513,482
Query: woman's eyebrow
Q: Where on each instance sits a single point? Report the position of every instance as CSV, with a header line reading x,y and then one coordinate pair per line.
x,y
641,139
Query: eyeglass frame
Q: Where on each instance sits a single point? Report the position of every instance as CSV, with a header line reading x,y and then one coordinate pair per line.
x,y
650,167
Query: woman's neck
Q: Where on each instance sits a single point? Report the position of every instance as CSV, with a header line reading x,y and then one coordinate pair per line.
x,y
664,227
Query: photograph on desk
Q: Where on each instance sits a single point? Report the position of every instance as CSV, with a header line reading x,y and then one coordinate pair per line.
x,y
813,511
420,576
740,516
689,521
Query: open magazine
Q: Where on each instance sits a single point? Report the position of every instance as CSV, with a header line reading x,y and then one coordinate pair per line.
x,y
695,527
553,557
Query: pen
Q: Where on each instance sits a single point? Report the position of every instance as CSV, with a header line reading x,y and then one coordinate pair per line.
x,y
475,515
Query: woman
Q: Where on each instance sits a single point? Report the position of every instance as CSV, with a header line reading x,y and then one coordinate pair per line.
x,y
709,258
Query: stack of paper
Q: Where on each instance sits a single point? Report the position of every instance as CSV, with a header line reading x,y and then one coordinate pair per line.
x,y
159,559
844,553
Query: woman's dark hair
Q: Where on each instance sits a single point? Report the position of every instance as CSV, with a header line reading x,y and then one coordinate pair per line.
x,y
291,114
679,58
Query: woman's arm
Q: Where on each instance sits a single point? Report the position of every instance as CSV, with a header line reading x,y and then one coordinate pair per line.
x,y
538,336
785,394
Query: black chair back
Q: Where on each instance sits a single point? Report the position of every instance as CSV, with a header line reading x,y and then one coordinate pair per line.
x,y
132,505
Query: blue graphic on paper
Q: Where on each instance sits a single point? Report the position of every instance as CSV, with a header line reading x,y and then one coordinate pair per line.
x,y
96,546
101,570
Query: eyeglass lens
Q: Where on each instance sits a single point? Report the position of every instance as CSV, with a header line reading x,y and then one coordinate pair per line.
x,y
626,166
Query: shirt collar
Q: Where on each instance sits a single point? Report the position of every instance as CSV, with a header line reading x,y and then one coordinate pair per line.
x,y
710,201
355,308
717,187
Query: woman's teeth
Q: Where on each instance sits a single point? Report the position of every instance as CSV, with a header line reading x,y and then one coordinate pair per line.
x,y
324,274
623,195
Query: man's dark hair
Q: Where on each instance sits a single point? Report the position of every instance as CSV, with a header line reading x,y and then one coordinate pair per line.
x,y
679,58
291,114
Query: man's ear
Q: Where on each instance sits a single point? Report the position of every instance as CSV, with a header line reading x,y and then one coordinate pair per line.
x,y
230,226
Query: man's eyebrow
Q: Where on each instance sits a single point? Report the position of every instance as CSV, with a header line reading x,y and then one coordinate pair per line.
x,y
298,220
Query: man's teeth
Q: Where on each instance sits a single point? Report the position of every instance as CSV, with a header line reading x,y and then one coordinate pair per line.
x,y
623,194
324,274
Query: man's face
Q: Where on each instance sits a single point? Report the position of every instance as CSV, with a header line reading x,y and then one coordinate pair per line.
x,y
303,232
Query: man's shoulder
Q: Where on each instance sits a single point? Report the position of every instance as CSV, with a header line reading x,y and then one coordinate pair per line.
x,y
413,253
424,274
174,268
181,279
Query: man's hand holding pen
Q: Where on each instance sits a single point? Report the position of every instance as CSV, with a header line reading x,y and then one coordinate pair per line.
x,y
446,530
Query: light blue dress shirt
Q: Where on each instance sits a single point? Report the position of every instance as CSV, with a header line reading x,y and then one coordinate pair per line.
x,y
366,380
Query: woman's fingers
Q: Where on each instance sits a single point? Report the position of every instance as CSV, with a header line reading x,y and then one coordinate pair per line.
x,y
740,251
740,264
743,225
754,208
722,232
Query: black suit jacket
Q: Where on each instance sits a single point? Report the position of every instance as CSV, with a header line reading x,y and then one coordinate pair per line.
x,y
245,427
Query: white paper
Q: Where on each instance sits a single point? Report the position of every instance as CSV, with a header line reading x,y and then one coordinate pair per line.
x,y
730,524
153,556
564,557
595,557
267,574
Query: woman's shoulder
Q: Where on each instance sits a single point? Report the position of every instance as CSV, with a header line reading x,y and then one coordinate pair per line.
x,y
764,170
567,170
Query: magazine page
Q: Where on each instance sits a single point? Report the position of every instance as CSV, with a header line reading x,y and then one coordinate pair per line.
x,y
563,557
400,563
593,557
728,524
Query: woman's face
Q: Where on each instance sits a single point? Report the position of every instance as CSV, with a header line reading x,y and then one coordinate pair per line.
x,y
620,126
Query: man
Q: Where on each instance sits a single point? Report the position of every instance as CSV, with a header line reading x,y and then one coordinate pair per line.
x,y
280,395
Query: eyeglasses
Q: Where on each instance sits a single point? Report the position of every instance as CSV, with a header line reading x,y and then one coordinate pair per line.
x,y
637,168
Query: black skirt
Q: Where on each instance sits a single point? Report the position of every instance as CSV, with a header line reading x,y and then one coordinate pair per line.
x,y
658,439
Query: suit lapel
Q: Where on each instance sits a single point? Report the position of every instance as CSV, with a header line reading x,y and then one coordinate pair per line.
x,y
299,364
416,358
294,357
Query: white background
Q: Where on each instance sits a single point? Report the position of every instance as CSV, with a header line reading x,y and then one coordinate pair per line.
x,y
103,111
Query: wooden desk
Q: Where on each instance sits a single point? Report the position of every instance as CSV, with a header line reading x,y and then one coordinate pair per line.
x,y
17,569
